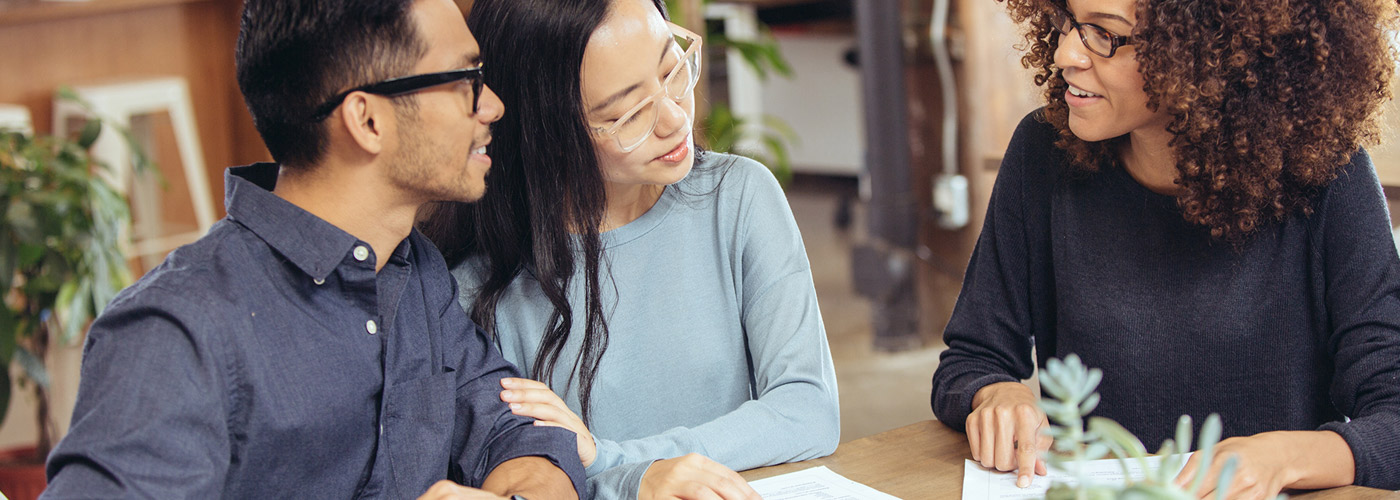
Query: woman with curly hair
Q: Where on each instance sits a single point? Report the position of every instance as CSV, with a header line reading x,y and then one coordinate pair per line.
x,y
1192,213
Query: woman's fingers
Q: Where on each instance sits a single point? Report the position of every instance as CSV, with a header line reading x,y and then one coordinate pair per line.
x,y
544,396
729,485
1027,439
1042,444
1208,483
1188,472
522,383
541,398
974,436
546,412
1006,439
989,441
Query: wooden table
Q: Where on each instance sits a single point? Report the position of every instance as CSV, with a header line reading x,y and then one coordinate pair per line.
x,y
925,461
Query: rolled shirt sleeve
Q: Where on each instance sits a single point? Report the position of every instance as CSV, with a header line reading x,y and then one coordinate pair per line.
x,y
494,435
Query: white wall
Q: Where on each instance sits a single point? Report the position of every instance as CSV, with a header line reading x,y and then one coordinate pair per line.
x,y
20,427
822,103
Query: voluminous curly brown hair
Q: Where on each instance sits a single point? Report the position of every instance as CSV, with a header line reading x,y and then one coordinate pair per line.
x,y
1268,98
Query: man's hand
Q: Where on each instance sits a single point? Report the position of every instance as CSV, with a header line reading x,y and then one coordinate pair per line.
x,y
529,398
1004,430
448,490
1269,462
693,477
530,477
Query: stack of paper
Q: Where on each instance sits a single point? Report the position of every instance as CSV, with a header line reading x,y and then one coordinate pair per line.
x,y
817,483
980,483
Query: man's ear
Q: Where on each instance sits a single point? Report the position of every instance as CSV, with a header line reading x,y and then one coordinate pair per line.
x,y
367,120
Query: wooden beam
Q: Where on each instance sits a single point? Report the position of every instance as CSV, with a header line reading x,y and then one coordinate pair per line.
x,y
691,14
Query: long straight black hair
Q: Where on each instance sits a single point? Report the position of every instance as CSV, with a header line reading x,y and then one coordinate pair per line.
x,y
546,189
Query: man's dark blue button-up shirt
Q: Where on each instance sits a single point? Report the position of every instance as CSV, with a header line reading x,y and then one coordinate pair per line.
x,y
270,360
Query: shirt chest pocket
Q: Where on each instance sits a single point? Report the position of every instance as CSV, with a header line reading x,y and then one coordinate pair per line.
x,y
418,428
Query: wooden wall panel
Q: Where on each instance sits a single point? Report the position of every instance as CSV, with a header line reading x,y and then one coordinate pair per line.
x,y
190,38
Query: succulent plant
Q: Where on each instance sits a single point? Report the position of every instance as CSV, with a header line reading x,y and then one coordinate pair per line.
x,y
1070,387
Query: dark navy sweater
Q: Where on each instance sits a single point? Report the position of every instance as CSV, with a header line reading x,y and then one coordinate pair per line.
x,y
1298,329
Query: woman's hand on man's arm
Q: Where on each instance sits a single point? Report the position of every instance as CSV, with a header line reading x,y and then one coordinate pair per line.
x,y
530,398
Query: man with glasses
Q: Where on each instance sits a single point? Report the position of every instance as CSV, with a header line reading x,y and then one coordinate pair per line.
x,y
310,346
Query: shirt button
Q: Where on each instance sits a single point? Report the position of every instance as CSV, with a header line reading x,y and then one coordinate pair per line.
x,y
381,429
371,327
319,281
361,253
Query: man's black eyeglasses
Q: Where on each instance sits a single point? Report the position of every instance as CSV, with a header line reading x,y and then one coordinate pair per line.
x,y
408,84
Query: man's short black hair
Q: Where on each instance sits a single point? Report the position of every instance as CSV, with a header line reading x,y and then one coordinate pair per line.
x,y
295,54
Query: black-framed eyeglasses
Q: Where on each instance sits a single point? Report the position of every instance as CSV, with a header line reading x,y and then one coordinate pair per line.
x,y
1097,39
406,85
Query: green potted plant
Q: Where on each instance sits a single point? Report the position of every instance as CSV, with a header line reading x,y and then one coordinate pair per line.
x,y
1070,389
61,262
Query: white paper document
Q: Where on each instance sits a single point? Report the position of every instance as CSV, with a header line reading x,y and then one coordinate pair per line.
x,y
817,483
981,484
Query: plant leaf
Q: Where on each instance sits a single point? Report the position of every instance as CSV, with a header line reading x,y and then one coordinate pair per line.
x,y
91,130
1227,474
1183,434
1096,451
1050,383
1090,382
1089,404
29,256
1210,434
79,307
4,392
1052,379
1170,462
22,220
10,330
33,367
1120,439
1052,407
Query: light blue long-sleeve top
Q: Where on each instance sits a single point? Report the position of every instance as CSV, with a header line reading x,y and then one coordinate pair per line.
x,y
716,345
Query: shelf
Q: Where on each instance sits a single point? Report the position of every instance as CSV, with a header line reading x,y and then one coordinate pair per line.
x,y
14,12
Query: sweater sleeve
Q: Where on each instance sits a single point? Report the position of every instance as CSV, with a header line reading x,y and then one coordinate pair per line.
x,y
795,414
621,482
1363,303
994,323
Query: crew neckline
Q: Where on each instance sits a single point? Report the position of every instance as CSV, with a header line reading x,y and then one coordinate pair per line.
x,y
644,224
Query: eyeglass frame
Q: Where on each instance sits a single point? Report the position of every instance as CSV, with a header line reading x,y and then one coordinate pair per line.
x,y
1114,41
403,85
676,30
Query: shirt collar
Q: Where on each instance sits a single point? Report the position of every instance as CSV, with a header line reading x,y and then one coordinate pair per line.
x,y
307,241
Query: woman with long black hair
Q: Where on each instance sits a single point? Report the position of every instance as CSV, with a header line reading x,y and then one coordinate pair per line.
x,y
660,292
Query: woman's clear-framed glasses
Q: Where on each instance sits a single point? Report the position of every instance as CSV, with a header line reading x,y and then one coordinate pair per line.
x,y
633,128
1097,39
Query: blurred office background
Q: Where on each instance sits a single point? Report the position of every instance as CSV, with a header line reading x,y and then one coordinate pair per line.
x,y
892,122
